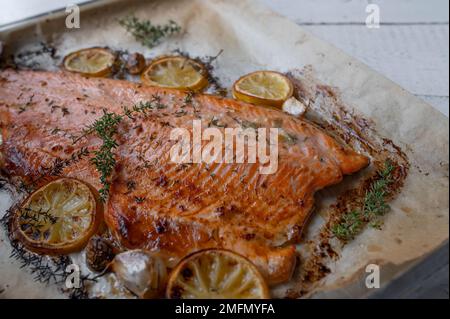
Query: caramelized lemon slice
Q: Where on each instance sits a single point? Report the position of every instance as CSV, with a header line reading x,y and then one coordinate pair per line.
x,y
58,218
264,88
95,62
216,274
177,73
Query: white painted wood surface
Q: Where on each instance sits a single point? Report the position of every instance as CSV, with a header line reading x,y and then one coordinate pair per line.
x,y
411,47
353,11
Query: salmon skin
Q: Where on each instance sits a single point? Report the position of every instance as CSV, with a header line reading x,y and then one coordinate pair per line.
x,y
160,205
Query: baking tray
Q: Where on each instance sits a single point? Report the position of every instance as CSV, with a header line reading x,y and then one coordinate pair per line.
x,y
26,34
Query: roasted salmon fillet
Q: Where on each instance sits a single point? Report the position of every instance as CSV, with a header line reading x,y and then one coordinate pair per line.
x,y
160,205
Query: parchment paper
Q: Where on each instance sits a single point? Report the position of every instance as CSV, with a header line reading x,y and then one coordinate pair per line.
x,y
254,38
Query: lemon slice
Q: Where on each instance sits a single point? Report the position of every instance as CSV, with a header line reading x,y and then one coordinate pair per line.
x,y
95,62
58,218
263,88
216,274
177,73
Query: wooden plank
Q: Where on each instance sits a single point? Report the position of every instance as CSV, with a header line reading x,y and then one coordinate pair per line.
x,y
353,11
415,57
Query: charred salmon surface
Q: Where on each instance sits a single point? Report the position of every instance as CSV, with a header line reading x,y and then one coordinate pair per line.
x,y
159,205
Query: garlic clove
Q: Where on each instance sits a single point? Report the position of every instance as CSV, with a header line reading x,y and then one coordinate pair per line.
x,y
142,272
294,107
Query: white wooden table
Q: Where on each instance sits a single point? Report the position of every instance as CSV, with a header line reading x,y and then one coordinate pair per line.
x,y
411,47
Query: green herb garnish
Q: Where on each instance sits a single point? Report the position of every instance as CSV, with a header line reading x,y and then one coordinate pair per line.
x,y
104,159
148,34
106,129
374,206
350,225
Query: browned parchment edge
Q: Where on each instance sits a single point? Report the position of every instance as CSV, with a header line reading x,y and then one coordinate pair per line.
x,y
327,110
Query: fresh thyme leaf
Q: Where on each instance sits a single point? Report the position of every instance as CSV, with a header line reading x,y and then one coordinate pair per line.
x,y
106,128
104,159
374,206
143,107
350,225
386,173
374,203
148,34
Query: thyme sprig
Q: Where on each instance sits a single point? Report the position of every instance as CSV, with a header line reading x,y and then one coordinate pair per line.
x,y
45,270
104,159
374,206
106,128
147,33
